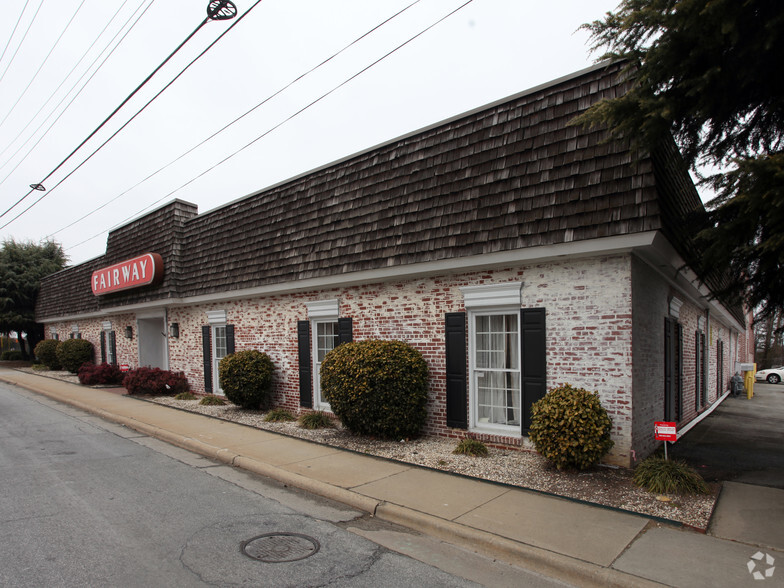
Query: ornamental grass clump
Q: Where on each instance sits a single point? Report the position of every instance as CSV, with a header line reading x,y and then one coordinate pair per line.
x,y
212,401
570,428
279,415
472,447
246,379
664,476
377,387
316,420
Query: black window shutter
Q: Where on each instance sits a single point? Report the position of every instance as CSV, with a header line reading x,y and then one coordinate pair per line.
x,y
533,339
305,367
672,369
206,335
229,339
113,347
345,330
103,346
455,351
697,370
679,411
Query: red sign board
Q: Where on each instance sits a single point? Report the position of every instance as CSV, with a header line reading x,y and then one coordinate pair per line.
x,y
124,367
134,273
665,431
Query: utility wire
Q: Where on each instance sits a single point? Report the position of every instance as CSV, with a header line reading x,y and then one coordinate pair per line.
x,y
43,63
67,106
236,120
18,20
99,127
57,89
73,171
156,202
29,26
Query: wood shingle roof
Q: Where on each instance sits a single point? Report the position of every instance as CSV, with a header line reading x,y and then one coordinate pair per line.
x,y
508,176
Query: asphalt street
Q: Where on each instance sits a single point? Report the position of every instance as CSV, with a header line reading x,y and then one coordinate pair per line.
x,y
90,503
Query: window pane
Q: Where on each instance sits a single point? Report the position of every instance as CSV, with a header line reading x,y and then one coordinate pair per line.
x,y
497,369
326,339
220,342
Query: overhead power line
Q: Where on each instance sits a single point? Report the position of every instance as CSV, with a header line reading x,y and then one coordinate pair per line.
x,y
60,85
43,63
280,124
11,36
236,120
217,10
27,30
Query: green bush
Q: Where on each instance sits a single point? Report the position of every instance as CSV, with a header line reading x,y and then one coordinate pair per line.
x,y
46,352
212,401
316,420
72,353
663,476
11,356
472,447
246,378
278,415
377,387
570,428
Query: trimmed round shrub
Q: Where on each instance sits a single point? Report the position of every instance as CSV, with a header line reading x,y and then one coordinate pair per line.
x,y
11,356
570,428
72,353
90,374
377,387
46,352
246,378
155,381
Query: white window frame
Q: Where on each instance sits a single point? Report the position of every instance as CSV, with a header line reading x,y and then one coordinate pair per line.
x,y
106,327
320,312
474,374
217,320
491,300
318,402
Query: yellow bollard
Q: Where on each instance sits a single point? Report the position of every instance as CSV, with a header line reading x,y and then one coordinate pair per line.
x,y
749,382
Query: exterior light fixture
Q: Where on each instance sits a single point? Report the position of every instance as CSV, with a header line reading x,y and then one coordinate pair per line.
x,y
39,187
174,330
129,332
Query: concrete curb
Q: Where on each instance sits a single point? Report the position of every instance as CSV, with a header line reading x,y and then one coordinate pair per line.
x,y
533,558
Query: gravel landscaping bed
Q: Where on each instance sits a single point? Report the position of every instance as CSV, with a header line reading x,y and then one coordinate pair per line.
x,y
601,485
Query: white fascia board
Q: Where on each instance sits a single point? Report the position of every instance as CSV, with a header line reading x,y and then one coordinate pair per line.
x,y
574,249
662,258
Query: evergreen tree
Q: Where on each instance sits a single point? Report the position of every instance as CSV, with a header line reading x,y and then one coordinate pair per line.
x,y
22,265
706,73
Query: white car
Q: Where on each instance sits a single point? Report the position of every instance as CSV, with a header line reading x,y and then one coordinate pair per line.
x,y
771,376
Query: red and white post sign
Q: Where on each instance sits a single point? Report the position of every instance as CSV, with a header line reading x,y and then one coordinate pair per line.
x,y
133,273
665,431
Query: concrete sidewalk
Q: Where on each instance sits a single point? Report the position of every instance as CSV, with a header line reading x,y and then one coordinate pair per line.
x,y
580,544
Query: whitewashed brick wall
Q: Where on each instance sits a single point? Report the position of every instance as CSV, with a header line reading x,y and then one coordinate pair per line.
x,y
588,304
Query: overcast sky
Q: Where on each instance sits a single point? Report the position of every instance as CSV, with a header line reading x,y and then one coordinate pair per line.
x,y
487,50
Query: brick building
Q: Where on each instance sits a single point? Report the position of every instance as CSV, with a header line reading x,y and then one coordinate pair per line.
x,y
515,251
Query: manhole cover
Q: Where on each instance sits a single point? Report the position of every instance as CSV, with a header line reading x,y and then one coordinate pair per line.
x,y
280,547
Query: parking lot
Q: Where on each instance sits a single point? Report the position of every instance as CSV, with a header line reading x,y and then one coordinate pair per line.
x,y
741,440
